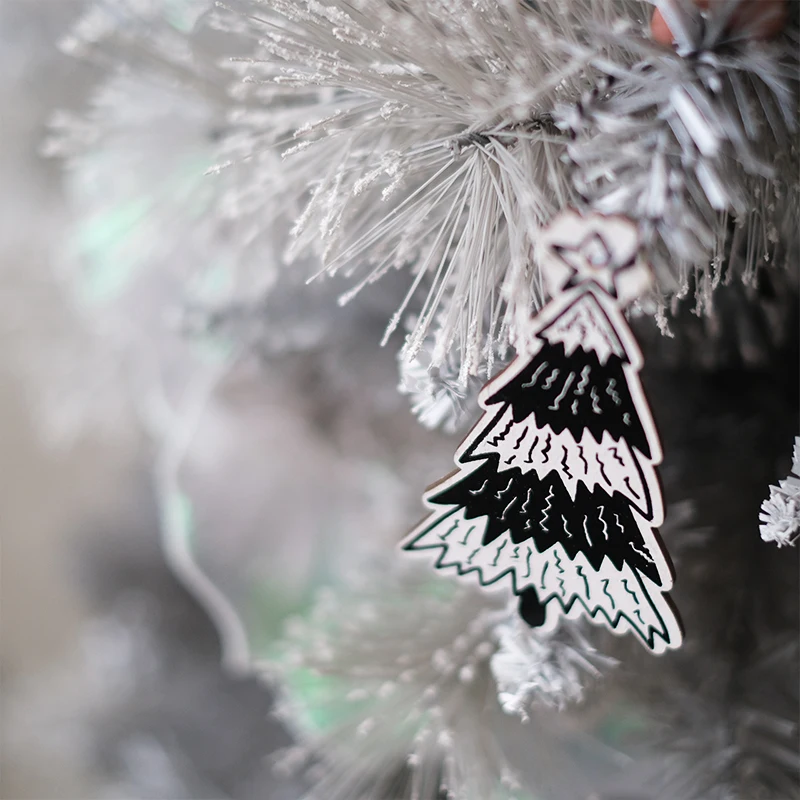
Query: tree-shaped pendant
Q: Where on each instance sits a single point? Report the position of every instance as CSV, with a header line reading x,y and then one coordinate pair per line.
x,y
556,486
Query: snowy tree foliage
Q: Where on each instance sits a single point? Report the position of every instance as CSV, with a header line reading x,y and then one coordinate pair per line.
x,y
780,512
438,138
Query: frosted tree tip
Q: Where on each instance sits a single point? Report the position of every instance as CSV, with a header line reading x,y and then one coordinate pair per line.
x,y
780,512
532,668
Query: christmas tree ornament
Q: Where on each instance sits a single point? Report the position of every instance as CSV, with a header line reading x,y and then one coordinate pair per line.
x,y
556,485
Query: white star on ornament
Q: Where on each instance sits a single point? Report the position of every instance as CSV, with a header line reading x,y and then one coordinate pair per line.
x,y
591,260
576,250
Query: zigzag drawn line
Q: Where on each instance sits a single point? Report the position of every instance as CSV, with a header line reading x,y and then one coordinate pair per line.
x,y
629,591
529,459
611,392
644,555
499,494
602,468
551,380
631,489
585,581
547,448
479,491
546,511
606,581
499,551
595,401
557,402
564,464
502,435
443,536
467,535
614,453
582,458
535,376
600,511
561,571
581,388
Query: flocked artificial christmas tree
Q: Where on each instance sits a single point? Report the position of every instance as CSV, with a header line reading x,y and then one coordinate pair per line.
x,y
416,155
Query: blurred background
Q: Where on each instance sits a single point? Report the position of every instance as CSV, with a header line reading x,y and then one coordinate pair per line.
x,y
114,437
109,670
52,498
